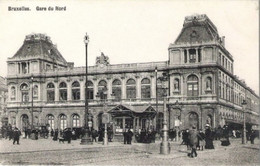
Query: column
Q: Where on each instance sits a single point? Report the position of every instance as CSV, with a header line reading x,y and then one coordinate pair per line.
x,y
69,97
56,91
137,125
109,88
181,56
82,90
123,123
95,86
21,68
123,88
197,56
134,127
153,87
138,88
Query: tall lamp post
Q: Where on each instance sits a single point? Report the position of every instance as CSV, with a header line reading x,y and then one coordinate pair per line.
x,y
244,121
165,145
105,117
87,118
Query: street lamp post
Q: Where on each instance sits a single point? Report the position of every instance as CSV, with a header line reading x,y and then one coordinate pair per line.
x,y
165,145
86,138
102,94
244,121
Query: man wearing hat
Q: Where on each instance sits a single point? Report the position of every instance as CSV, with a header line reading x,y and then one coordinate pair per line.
x,y
16,135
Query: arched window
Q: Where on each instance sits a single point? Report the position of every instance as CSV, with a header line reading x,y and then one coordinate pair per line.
x,y
63,121
145,88
63,91
50,92
117,89
35,91
50,121
208,84
193,88
75,90
131,89
75,120
176,85
25,92
13,93
90,92
102,89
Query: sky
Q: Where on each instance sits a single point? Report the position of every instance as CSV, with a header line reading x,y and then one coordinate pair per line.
x,y
131,31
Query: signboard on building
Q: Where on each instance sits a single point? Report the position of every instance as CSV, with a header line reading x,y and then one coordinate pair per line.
x,y
106,118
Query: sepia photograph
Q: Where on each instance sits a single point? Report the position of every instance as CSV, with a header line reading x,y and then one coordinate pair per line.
x,y
127,82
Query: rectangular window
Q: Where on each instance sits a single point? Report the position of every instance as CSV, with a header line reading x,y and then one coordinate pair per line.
x,y
192,55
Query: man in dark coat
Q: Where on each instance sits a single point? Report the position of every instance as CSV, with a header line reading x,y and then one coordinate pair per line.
x,y
69,135
16,135
252,136
125,136
129,136
55,137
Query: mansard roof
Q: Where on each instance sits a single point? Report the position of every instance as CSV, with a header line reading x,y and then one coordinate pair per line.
x,y
39,45
197,29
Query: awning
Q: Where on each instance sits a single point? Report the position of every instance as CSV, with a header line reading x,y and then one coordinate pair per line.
x,y
123,109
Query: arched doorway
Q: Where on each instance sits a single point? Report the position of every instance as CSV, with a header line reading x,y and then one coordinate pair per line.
x,y
193,119
24,122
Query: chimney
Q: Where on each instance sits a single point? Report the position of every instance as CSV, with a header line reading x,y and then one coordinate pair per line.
x,y
223,40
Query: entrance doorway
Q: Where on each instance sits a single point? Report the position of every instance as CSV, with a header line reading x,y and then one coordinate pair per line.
x,y
24,121
193,120
123,123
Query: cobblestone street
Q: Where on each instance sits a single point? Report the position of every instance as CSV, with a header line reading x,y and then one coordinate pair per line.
x,y
46,151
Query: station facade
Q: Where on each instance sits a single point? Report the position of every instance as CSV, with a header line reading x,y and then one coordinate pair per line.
x,y
201,86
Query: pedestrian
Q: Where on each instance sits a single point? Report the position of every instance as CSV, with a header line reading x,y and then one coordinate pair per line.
x,y
100,134
68,135
252,136
55,137
110,134
129,136
225,141
193,141
52,133
201,137
208,138
94,135
25,132
125,136
16,135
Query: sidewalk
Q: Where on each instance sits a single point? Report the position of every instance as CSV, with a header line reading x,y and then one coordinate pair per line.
x,y
152,149
28,145
177,150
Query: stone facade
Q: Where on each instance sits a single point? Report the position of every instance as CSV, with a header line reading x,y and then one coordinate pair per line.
x,y
3,101
202,87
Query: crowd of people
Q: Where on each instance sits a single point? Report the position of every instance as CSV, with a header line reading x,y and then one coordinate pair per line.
x,y
194,139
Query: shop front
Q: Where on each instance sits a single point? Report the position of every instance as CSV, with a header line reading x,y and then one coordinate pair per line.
x,y
134,118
